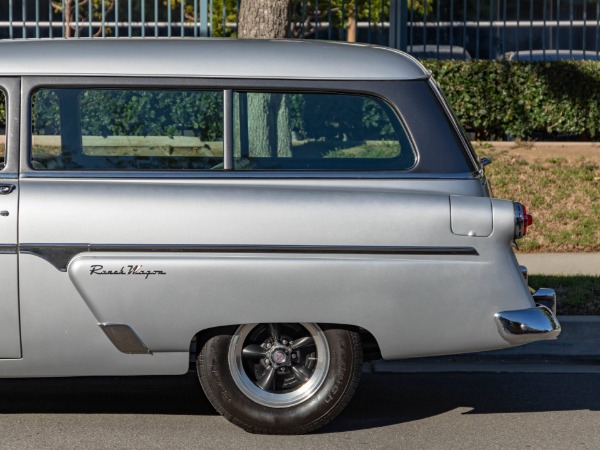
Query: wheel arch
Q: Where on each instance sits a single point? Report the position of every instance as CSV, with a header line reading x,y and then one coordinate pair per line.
x,y
370,346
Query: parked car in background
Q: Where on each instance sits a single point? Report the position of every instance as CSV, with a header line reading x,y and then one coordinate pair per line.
x,y
551,55
433,51
273,208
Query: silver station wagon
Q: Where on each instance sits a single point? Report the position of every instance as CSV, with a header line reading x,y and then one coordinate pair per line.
x,y
277,212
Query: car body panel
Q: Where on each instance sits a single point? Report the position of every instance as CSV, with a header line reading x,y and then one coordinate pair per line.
x,y
420,258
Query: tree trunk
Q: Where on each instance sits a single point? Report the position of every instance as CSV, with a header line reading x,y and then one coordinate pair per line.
x,y
264,19
351,32
269,133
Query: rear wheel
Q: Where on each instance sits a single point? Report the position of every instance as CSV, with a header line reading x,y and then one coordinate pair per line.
x,y
280,378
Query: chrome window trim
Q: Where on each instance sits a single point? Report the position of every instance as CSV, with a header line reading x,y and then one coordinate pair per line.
x,y
348,87
228,129
190,175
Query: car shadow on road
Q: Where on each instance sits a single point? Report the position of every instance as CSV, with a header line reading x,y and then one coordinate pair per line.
x,y
175,395
388,399
381,399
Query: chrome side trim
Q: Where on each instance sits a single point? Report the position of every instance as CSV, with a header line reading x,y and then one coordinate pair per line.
x,y
523,326
124,338
245,175
59,255
545,297
8,249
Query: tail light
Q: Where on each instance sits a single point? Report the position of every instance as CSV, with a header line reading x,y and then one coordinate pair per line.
x,y
522,220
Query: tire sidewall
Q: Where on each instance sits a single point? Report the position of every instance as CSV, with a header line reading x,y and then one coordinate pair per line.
x,y
330,398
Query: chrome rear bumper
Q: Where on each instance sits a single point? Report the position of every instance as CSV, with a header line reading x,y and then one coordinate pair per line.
x,y
523,326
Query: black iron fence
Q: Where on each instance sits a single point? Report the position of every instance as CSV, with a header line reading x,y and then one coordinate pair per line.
x,y
481,29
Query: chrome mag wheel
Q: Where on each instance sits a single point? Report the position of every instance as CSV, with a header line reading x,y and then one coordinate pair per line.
x,y
279,365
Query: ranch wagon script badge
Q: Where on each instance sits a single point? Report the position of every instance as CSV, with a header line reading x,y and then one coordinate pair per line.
x,y
98,269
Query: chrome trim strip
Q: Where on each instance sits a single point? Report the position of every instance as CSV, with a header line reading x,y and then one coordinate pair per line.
x,y
241,174
59,255
523,326
8,249
124,338
228,129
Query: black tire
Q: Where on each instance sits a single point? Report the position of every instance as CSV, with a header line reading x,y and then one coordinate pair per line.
x,y
308,409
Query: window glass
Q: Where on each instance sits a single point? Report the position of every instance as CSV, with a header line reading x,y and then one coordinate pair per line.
x,y
117,129
308,131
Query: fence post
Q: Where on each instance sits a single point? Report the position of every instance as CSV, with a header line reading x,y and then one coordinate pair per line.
x,y
398,24
204,18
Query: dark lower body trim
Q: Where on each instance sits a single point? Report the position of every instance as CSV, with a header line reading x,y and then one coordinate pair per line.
x,y
59,255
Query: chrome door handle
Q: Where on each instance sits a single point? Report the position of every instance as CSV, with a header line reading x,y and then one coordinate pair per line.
x,y
6,189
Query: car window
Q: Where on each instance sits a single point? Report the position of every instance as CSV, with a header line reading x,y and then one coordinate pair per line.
x,y
317,131
120,129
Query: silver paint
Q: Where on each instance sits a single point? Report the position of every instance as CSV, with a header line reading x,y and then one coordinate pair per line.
x,y
414,305
208,58
10,342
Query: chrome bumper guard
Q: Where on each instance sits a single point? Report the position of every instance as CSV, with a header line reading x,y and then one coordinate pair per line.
x,y
545,297
523,326
525,273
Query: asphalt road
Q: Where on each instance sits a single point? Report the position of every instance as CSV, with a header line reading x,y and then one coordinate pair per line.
x,y
412,411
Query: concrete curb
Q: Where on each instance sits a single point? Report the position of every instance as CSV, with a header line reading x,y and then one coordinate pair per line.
x,y
578,345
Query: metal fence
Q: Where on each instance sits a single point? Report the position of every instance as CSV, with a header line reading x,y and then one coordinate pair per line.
x,y
482,29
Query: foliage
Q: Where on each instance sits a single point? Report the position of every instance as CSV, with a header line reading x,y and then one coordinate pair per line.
x,y
501,99
170,113
338,13
576,295
136,113
339,117
81,11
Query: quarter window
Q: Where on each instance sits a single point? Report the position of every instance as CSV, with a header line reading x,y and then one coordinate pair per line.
x,y
317,131
118,129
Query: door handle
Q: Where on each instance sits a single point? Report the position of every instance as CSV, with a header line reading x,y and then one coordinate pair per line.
x,y
6,189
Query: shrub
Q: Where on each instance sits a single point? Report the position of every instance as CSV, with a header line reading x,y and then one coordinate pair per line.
x,y
498,99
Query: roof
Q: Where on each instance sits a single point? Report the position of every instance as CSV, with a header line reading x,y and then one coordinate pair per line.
x,y
207,58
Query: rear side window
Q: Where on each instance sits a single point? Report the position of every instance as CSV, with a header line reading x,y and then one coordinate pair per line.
x,y
151,129
317,131
118,129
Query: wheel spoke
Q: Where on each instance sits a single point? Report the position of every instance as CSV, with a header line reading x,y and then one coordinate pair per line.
x,y
301,373
253,351
274,330
302,342
266,381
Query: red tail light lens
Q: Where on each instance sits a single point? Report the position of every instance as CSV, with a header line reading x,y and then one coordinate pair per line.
x,y
522,220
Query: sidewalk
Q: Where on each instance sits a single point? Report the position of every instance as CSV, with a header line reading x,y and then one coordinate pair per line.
x,y
561,263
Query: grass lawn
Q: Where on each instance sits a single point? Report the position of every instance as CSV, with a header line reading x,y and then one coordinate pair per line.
x,y
577,295
560,186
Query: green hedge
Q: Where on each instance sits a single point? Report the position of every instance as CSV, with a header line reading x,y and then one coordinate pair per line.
x,y
498,99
